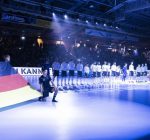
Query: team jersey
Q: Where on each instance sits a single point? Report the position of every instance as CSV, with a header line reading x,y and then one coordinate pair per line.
x,y
56,66
113,68
64,66
104,67
79,67
86,69
93,68
99,68
145,68
71,65
138,69
44,81
131,68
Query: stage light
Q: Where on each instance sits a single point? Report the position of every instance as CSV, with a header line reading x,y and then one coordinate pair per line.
x,y
40,41
65,16
23,37
91,6
59,42
96,46
96,23
78,19
86,21
105,24
78,45
53,14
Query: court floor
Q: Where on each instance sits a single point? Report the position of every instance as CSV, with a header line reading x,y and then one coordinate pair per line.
x,y
86,114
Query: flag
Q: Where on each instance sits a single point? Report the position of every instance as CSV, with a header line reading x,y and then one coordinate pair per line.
x,y
14,88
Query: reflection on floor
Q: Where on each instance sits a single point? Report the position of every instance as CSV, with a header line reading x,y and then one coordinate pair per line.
x,y
87,114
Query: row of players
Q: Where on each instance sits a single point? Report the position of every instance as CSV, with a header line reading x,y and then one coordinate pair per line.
x,y
97,69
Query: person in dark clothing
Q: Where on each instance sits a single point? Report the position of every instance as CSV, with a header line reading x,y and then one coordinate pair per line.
x,y
124,71
46,86
46,66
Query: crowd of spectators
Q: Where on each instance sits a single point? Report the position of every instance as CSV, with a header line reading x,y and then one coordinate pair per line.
x,y
28,53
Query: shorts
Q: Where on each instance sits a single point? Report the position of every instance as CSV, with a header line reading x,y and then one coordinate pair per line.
x,y
104,73
142,74
131,73
71,72
117,74
145,73
64,73
94,74
46,91
108,74
56,73
98,74
86,75
138,74
113,73
79,73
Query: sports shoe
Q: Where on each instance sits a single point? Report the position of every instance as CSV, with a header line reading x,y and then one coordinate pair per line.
x,y
54,100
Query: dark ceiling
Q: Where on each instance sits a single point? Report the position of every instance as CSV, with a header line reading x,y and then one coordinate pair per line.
x,y
132,16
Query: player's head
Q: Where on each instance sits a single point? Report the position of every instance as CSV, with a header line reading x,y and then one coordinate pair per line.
x,y
44,71
7,58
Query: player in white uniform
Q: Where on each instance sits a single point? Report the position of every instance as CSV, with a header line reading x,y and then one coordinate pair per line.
x,y
99,72
113,71
79,69
108,69
86,73
131,71
86,70
64,69
71,67
56,68
145,72
108,72
104,71
118,73
142,70
99,69
138,73
93,69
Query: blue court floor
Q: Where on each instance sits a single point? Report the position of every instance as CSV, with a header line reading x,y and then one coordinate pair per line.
x,y
86,114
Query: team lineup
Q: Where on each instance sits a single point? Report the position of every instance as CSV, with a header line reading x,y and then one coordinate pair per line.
x,y
76,74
